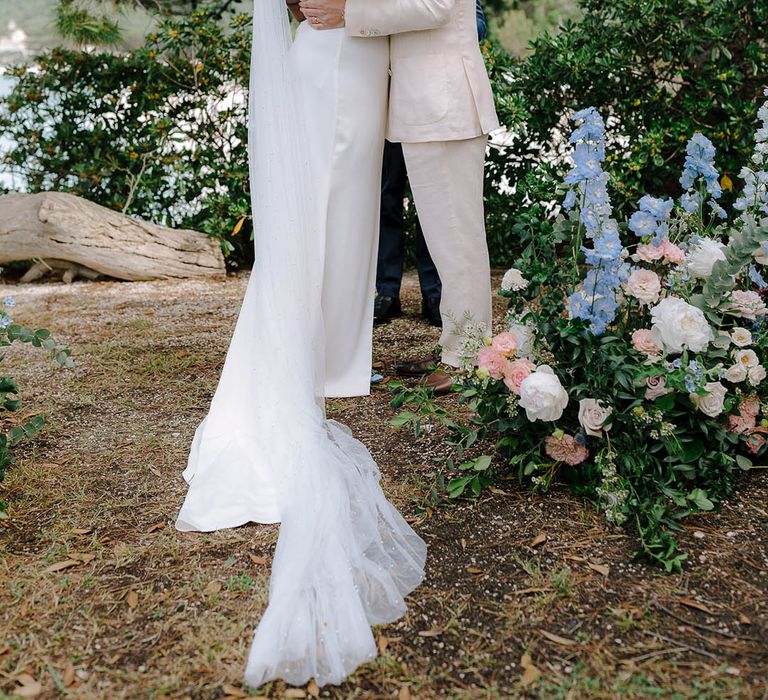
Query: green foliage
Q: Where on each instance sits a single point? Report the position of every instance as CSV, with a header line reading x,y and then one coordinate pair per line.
x,y
659,71
159,133
9,390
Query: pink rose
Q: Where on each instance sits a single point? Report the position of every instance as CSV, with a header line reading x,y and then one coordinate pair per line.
x,y
644,285
650,252
746,305
564,448
673,254
490,359
655,387
516,372
644,341
505,343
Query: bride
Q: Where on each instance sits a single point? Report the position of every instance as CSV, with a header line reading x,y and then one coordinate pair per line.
x,y
266,452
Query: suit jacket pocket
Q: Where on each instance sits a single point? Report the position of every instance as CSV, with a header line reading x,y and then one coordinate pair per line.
x,y
419,89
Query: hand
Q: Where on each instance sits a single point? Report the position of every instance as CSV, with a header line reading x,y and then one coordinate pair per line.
x,y
324,14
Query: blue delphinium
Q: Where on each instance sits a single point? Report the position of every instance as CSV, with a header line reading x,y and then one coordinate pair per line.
x,y
700,165
5,320
10,302
650,220
754,198
596,302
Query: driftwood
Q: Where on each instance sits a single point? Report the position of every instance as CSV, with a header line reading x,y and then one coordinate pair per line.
x,y
70,233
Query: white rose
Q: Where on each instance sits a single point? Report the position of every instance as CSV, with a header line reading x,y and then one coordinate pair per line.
x,y
644,285
736,374
593,417
677,324
756,375
524,335
741,337
711,404
746,358
542,395
513,281
703,256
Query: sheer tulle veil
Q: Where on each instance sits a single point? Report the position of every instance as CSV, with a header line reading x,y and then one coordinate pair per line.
x,y
345,557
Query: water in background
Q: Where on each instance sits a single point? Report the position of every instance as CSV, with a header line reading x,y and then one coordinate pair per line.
x,y
7,180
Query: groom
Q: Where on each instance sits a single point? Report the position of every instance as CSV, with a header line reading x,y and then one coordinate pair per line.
x,y
441,109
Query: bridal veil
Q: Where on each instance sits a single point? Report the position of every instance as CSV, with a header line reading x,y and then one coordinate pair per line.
x,y
345,558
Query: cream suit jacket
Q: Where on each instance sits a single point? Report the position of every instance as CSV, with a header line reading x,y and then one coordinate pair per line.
x,y
440,89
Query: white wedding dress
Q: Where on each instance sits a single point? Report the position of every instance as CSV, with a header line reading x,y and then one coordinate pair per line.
x,y
266,452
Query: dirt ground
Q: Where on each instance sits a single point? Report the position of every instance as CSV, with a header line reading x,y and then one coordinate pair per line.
x,y
525,597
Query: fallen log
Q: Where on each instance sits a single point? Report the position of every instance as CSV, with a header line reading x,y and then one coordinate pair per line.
x,y
63,228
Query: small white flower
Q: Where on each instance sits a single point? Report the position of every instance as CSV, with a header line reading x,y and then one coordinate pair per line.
x,y
741,337
746,358
757,375
513,281
711,404
736,374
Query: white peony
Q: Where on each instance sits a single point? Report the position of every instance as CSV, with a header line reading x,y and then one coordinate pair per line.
x,y
736,374
513,281
756,375
594,418
644,285
746,358
741,337
542,395
677,324
524,335
703,256
711,404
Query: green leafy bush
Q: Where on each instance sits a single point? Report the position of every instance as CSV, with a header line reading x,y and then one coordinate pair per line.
x,y
658,71
159,132
9,391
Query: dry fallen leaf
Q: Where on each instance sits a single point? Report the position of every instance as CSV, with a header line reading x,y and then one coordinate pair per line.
x,y
539,539
259,561
382,643
313,689
600,568
434,632
530,673
474,570
557,639
693,603
60,566
29,687
82,531
132,599
156,526
4,650
294,693
85,557
233,691
405,693
213,587
68,677
743,619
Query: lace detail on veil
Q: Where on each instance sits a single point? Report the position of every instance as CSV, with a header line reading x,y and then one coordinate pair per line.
x,y
345,557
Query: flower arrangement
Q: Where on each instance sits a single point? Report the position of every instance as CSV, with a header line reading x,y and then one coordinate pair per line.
x,y
633,369
11,332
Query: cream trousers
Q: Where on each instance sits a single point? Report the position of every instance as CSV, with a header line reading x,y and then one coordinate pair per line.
x,y
447,183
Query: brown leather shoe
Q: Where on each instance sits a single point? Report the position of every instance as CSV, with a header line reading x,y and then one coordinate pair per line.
x,y
440,382
416,368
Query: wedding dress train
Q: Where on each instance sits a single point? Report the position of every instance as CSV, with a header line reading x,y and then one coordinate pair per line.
x,y
345,558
